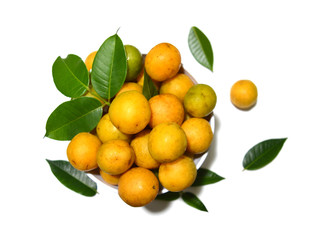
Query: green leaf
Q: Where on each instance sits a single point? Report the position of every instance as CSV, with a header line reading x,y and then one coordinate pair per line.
x,y
72,117
72,178
149,89
262,153
205,176
168,196
70,76
193,201
200,48
109,67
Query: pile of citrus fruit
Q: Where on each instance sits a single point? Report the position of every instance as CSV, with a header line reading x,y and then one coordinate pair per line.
x,y
142,145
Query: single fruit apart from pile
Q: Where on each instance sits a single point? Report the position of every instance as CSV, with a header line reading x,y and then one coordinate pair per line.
x,y
89,60
140,147
129,86
200,100
199,134
134,62
178,175
107,131
110,179
115,157
165,108
162,62
244,94
130,112
138,186
82,151
167,142
178,85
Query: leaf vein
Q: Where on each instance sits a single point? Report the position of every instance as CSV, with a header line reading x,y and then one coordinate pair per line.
x,y
76,119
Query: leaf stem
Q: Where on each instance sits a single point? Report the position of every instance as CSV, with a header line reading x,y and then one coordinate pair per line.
x,y
94,93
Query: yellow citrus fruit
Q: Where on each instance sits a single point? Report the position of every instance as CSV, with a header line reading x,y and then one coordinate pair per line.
x,y
167,142
130,112
162,62
129,86
138,186
140,80
166,108
200,100
178,85
89,60
115,157
110,179
82,151
178,175
199,134
244,94
140,147
107,131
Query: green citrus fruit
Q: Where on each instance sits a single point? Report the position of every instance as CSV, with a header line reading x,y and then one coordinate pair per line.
x,y
200,100
134,62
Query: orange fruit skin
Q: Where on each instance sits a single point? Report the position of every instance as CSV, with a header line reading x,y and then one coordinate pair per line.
x,y
178,175
130,112
140,147
110,179
199,135
82,151
167,142
107,131
177,85
138,187
244,94
162,62
129,86
165,108
115,157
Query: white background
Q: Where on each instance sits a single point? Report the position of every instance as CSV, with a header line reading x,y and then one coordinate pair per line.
x,y
264,41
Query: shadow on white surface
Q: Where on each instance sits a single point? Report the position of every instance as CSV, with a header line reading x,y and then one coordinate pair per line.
x,y
212,152
158,206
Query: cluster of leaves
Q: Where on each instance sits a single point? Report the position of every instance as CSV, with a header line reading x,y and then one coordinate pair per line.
x,y
71,77
82,114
